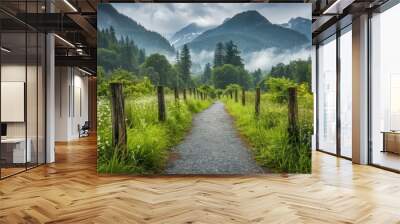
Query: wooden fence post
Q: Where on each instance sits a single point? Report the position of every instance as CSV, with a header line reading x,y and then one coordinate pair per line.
x,y
257,103
176,93
243,97
236,95
161,104
118,116
293,114
184,94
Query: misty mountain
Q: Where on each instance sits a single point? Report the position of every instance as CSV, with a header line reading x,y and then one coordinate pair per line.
x,y
301,25
251,32
187,34
226,19
124,26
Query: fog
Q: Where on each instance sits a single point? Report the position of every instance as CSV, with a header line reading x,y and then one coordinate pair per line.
x,y
263,59
166,18
267,58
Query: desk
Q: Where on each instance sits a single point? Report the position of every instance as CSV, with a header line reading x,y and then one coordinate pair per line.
x,y
391,141
13,150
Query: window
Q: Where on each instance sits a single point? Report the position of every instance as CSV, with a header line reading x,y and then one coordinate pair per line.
x,y
22,101
327,95
346,92
385,89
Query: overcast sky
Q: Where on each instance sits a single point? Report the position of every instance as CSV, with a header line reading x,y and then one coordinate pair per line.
x,y
167,18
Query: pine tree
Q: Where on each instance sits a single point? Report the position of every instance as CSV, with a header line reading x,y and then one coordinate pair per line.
x,y
232,55
257,75
141,56
177,59
126,54
113,53
177,69
100,39
112,34
206,78
185,65
219,55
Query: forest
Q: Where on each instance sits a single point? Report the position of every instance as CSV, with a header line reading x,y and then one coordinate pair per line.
x,y
275,147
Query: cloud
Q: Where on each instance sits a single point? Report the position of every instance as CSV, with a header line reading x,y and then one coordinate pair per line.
x,y
263,59
202,58
267,58
167,18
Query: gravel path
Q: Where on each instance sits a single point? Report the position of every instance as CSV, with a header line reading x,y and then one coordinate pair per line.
x,y
212,147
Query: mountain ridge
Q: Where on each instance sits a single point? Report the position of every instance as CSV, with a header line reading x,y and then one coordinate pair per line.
x,y
301,25
124,26
251,31
187,34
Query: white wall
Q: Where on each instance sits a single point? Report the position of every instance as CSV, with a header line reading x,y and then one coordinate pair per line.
x,y
62,82
80,94
71,94
17,73
12,73
33,126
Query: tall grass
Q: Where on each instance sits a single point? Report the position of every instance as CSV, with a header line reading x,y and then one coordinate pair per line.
x,y
149,140
268,133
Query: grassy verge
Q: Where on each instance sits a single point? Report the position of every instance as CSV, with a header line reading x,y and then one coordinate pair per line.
x,y
149,141
268,134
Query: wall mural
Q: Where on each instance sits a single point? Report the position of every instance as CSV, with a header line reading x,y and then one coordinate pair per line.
x,y
204,88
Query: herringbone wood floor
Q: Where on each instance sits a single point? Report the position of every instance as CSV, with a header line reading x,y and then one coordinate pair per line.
x,y
70,191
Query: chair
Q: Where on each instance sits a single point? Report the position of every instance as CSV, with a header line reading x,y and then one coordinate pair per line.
x,y
84,130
